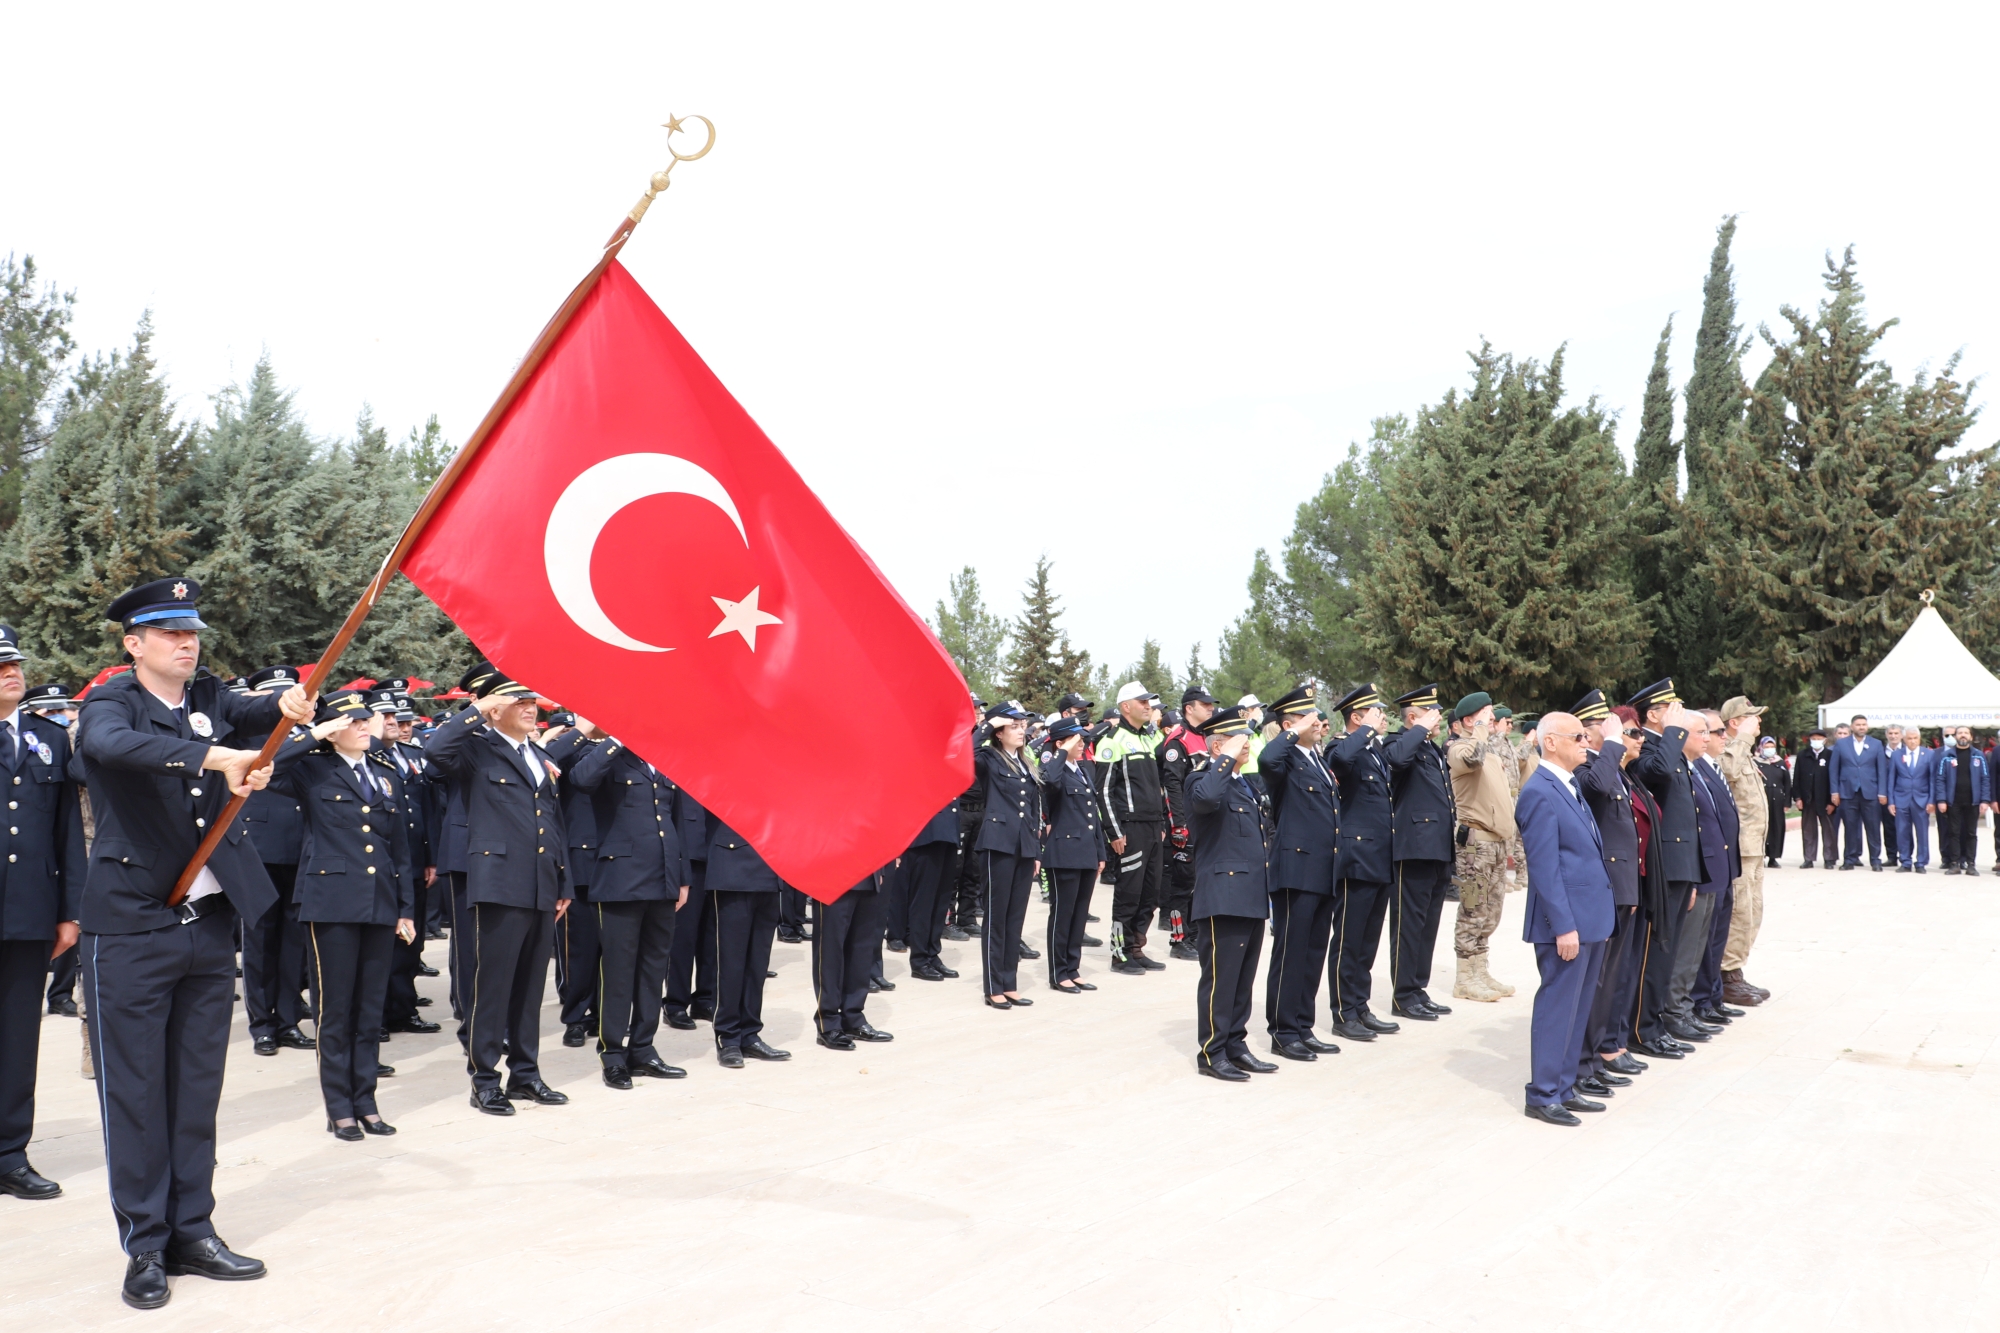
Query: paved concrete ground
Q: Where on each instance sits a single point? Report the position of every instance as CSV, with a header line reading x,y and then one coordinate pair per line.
x,y
1828,1164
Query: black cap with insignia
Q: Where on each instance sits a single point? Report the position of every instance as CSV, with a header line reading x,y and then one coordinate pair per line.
x,y
1424,696
1358,698
273,678
349,704
1304,699
1591,707
1653,696
1226,722
161,604
484,678
47,698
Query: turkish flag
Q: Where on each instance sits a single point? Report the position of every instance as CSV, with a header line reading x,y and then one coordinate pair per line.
x,y
629,542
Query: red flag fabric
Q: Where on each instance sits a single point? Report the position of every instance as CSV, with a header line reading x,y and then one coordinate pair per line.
x,y
630,543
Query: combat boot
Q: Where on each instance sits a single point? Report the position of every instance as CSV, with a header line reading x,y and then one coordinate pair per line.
x,y
1500,988
1467,986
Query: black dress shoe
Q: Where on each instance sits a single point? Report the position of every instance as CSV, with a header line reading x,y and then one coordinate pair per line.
x,y
1920,870
1582,1104
654,1067
574,1034
1244,1060
63,1007
1374,1024
146,1281
729,1057
1877,867
790,935
880,983
619,1077
378,1126
895,946
1150,964
1554,1115
1352,1030
1611,1080
1727,1012
680,1022
24,1182
418,1025
1903,870
1030,954
702,1015
1292,1050
1131,967
869,1032
1658,1052
1684,1030
837,1041
1434,1006
1082,985
425,969
1416,1011
385,1071
1318,1047
265,1045
1020,1001
759,1049
1712,1018
492,1101
1593,1087
422,1002
1002,1003
1220,1068
948,972
925,972
1850,865
345,1133
209,1257
954,933
1627,1064
1091,942
297,1040
534,1090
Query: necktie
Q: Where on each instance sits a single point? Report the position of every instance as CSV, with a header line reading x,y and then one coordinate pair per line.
x,y
13,742
534,769
361,776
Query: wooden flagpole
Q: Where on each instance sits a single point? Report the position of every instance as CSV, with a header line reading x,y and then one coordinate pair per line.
x,y
440,488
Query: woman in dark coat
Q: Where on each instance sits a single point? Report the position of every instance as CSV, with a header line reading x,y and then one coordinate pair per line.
x,y
354,894
1009,845
1072,851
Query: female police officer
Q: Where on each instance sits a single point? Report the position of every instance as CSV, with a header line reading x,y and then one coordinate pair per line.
x,y
1010,844
1073,851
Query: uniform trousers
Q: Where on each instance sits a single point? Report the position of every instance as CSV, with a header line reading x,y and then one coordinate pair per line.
x,y
1817,826
1706,993
970,889
1746,914
1562,1010
62,974
1069,908
1608,1027
458,953
745,926
23,965
931,872
1137,897
845,934
691,966
509,950
636,945
895,893
792,908
1177,912
1690,951
1414,913
1913,835
1301,925
1859,814
1359,906
577,949
1656,965
158,1004
274,961
1229,947
401,1006
1010,881
347,970
1482,893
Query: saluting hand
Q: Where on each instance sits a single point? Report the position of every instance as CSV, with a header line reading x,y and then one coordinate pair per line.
x,y
328,727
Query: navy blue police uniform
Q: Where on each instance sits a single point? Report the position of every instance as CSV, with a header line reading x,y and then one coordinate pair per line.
x,y
691,968
1426,816
1009,843
930,870
406,963
577,945
745,893
274,945
1232,897
845,936
1304,867
1662,768
52,704
1072,855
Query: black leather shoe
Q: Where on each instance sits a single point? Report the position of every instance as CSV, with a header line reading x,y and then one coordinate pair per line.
x,y
838,1041
1727,1011
24,1182
1850,865
654,1067
1593,1087
1658,1052
574,1034
1684,1030
492,1101
1028,953
954,933
1352,1030
1374,1024
1220,1068
790,935
1877,868
385,1071
1582,1104
880,984
378,1126
1416,1011
345,1133
1150,964
1244,1060
425,969
536,1091
729,1057
1292,1050
1020,1001
949,972
619,1077
146,1281
680,1022
759,1049
1611,1080
63,1007
1903,870
1627,1064
925,972
1131,967
209,1257
1318,1047
869,1032
265,1045
1002,1003
1554,1115
1715,1018
1972,872
1920,870
418,1025
1434,1006
297,1040
1090,942
895,946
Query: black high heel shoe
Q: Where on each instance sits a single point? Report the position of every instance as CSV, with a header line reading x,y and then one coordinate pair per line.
x,y
345,1133
992,1003
1019,1001
376,1126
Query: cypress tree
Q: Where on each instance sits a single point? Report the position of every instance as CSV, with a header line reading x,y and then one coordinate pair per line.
x,y
974,636
1715,391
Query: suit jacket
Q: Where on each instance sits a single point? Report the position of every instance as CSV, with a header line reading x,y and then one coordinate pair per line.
x,y
734,866
354,854
1663,766
1420,789
635,810
1604,791
1074,840
1718,827
1864,776
1944,775
1367,820
1232,874
1911,773
1013,818
153,804
1307,814
41,881
1568,887
515,845
1812,779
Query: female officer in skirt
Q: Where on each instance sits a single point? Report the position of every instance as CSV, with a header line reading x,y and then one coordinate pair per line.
x,y
1073,851
1010,845
354,894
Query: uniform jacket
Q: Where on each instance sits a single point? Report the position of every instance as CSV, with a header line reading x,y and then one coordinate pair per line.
x,y
734,866
41,881
695,824
1568,887
636,812
1481,791
153,803
1231,844
1177,751
1074,841
580,823
1719,829
1420,790
1944,775
276,821
1663,766
1367,821
515,845
943,827
1129,779
1911,774
1812,779
354,855
1307,814
1013,802
447,808
416,802
1604,791
1863,776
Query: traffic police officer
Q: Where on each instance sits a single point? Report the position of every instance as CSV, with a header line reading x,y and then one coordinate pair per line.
x,y
158,748
1426,822
1232,885
1303,873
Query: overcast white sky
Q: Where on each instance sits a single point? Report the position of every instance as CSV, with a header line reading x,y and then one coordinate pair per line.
x,y
1004,281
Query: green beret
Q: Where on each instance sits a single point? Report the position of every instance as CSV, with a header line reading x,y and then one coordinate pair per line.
x,y
1470,704
1502,710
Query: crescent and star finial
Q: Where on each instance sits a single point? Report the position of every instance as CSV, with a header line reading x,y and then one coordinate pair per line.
x,y
663,178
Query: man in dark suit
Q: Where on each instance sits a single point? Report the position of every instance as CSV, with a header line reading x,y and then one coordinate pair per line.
x,y
1232,883
1302,873
1705,995
1911,776
1569,917
515,889
1362,765
1670,733
1860,778
158,748
1426,821
1812,792
41,897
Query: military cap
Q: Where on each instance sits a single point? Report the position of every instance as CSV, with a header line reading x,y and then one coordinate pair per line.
x,y
47,697
1739,706
484,678
1195,694
405,712
1072,700
1591,707
382,701
161,604
1358,698
1424,696
273,678
1065,727
1226,722
1304,699
348,704
1501,711
237,685
1471,704
10,645
1659,692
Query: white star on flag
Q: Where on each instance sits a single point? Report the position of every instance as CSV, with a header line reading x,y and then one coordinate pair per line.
x,y
742,617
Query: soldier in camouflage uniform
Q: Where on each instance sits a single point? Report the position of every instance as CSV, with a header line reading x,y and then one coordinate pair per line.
x,y
1478,760
1753,812
1509,751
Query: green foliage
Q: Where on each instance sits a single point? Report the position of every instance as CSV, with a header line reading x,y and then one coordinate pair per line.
x,y
974,636
34,343
1044,665
1249,663
1152,671
1715,391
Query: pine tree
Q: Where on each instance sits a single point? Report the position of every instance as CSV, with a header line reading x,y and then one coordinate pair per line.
x,y
974,636
1503,562
1248,663
1715,391
1044,665
1655,469
1152,671
1842,506
1197,673
34,343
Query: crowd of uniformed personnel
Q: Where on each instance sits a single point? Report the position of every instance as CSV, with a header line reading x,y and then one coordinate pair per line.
x,y
525,835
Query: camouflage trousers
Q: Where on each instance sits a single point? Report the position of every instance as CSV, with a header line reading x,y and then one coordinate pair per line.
x,y
1482,890
1746,912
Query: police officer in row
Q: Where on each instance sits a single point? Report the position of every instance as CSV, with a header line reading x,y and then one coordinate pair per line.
x,y
53,704
845,935
690,992
160,747
1009,846
930,870
1072,851
744,893
1364,766
1231,898
1426,822
1304,874
274,950
576,946
1664,768
391,702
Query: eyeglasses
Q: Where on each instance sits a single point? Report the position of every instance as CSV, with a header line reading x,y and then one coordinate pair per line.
x,y
1633,731
1569,736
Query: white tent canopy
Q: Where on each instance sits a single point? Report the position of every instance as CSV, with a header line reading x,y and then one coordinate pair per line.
x,y
1929,679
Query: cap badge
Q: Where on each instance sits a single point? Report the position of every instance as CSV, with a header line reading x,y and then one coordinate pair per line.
x,y
200,725
181,590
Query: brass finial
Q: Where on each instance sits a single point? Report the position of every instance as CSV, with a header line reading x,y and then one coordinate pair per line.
x,y
1926,595
661,179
